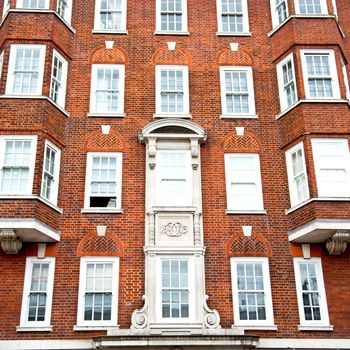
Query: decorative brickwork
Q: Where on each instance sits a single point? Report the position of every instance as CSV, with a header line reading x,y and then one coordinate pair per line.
x,y
108,56
248,143
227,57
254,245
94,245
98,142
165,56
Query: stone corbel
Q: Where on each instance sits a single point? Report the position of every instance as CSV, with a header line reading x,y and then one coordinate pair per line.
x,y
151,229
139,318
211,317
338,243
10,243
152,151
195,153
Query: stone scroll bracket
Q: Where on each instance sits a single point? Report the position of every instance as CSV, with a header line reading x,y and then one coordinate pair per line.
x,y
338,243
195,153
139,318
10,243
152,152
211,316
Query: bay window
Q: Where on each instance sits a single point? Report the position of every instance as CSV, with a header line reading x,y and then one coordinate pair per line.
x,y
26,70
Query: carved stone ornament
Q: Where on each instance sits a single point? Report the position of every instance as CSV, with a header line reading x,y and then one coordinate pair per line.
x,y
151,228
338,243
174,229
152,151
139,318
10,243
211,317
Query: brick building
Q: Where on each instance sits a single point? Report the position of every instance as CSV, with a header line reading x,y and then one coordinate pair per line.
x,y
175,174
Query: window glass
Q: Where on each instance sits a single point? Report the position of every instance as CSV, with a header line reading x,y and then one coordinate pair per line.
x,y
16,166
243,182
171,15
175,289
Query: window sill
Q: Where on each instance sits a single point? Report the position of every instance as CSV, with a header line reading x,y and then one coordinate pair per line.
x,y
110,31
238,116
175,115
34,329
256,327
107,115
21,196
233,34
325,100
163,32
93,328
37,97
276,29
102,211
246,212
68,25
317,199
315,328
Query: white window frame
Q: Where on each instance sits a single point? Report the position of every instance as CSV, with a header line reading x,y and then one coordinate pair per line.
x,y
68,12
251,97
324,9
293,192
245,19
191,288
324,190
54,189
269,322
63,89
82,287
30,261
274,13
335,11
281,85
345,76
19,5
11,69
160,200
33,140
97,21
1,62
89,163
6,7
184,19
232,205
333,72
321,289
186,98
121,82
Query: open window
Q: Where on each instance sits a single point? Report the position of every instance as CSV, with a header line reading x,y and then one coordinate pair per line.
x,y
103,180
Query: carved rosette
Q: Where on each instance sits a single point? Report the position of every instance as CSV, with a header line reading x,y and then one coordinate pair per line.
x,y
211,317
10,243
174,229
139,318
338,243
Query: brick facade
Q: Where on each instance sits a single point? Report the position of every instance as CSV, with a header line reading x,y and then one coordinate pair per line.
x,y
76,133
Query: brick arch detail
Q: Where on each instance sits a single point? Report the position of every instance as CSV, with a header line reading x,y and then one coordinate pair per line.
x,y
165,56
254,245
99,142
101,55
248,143
234,58
94,245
